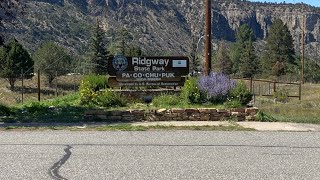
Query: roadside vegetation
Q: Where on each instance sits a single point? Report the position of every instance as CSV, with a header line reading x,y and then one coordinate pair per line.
x,y
216,90
128,127
291,109
64,109
277,61
70,108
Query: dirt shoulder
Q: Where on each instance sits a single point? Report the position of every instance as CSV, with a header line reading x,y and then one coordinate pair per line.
x,y
259,126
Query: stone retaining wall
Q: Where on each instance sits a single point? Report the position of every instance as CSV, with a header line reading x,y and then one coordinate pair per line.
x,y
176,114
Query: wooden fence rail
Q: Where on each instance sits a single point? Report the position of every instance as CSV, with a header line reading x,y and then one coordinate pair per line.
x,y
271,86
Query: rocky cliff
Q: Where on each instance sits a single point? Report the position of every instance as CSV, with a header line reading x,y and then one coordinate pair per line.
x,y
158,26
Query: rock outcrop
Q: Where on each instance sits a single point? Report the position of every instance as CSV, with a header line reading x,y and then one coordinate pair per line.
x,y
160,27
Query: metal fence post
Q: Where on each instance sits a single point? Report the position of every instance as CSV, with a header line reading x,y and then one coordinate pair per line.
x,y
300,90
251,84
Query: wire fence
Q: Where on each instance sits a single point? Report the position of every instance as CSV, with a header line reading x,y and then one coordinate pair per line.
x,y
37,88
268,88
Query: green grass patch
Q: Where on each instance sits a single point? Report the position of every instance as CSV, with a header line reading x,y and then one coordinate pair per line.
x,y
166,100
202,128
175,101
24,128
68,100
5,110
63,109
118,127
129,127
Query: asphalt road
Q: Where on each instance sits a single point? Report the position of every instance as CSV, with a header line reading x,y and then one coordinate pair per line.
x,y
159,155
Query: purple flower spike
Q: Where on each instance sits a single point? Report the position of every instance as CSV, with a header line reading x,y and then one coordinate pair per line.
x,y
216,85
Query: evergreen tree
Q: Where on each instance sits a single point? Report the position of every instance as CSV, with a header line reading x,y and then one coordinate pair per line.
x,y
1,41
249,65
122,40
279,49
312,71
223,62
100,53
243,54
14,60
52,60
133,50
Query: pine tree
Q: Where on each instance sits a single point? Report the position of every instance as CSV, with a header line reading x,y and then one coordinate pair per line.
x,y
133,50
249,65
14,60
312,71
223,62
100,56
1,41
279,49
122,40
243,53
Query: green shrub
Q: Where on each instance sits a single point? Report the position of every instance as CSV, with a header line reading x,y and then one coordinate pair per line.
x,y
166,100
87,94
89,87
263,117
36,108
5,110
109,98
232,104
68,100
281,95
96,82
241,93
191,92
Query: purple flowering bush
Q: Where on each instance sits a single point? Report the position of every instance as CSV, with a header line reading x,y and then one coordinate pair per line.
x,y
216,86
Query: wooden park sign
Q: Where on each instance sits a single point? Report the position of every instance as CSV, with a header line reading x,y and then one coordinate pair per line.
x,y
147,71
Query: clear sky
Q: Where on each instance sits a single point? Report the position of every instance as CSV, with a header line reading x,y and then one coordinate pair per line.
x,y
311,2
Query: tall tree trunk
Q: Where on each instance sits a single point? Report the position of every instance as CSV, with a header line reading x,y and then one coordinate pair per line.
x,y
11,82
1,41
50,79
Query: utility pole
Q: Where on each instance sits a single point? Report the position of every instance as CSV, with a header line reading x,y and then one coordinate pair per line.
x,y
39,85
56,83
22,85
302,56
207,53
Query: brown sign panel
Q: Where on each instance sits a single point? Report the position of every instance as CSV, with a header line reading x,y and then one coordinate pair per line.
x,y
174,64
112,82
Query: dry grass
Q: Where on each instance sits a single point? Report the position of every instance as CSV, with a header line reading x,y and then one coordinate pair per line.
x,y
305,111
65,85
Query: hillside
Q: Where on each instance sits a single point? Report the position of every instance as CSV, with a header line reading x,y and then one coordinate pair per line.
x,y
160,27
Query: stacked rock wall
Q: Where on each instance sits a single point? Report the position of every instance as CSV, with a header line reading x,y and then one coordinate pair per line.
x,y
175,114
